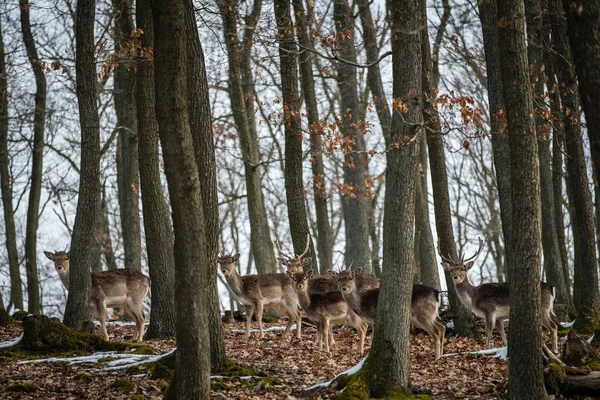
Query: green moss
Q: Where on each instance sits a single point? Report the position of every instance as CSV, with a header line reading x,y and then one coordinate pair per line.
x,y
233,369
586,323
137,396
142,349
123,386
21,387
562,331
594,364
218,386
161,371
18,353
20,315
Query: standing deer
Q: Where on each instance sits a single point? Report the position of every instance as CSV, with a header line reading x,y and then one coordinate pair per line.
x,y
326,308
491,301
125,288
424,306
256,292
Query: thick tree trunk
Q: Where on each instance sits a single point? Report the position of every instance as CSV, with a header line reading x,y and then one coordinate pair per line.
x,y
500,147
355,206
192,364
294,185
103,242
426,258
260,240
127,148
204,147
16,289
387,368
157,224
78,311
315,130
525,335
585,280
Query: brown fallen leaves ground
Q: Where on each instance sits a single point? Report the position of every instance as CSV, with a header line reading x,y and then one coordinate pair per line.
x,y
297,364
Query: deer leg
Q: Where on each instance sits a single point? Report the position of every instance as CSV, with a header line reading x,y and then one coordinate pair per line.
x,y
259,315
331,341
326,332
500,328
298,323
552,328
442,332
101,312
422,322
490,321
362,332
249,314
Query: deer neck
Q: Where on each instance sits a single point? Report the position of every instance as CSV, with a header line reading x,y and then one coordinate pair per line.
x,y
64,278
303,299
353,299
465,291
235,284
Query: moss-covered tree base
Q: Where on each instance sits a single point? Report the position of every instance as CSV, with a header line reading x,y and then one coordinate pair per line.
x,y
565,380
5,318
355,387
586,323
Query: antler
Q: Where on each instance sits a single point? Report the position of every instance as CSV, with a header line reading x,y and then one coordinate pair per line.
x,y
447,259
474,256
278,247
299,256
307,246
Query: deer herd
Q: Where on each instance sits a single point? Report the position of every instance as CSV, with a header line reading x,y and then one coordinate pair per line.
x,y
348,297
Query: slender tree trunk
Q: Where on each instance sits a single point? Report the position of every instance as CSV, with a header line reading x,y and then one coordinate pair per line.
x,y
16,289
260,240
324,240
294,185
202,135
355,206
526,379
78,305
127,150
388,363
157,224
192,364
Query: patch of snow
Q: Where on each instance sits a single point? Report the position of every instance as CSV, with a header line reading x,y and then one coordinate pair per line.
x,y
150,359
118,323
450,325
271,329
567,324
241,378
350,371
96,357
10,343
500,352
590,339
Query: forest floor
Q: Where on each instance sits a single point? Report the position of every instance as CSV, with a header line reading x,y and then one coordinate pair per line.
x,y
295,365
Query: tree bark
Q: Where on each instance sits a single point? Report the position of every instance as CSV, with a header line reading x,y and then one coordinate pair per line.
x,y
77,311
204,148
192,364
355,206
157,224
127,148
525,336
315,130
388,362
16,289
262,248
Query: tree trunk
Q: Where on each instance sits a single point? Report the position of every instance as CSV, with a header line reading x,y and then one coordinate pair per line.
x,y
585,280
127,148
192,364
489,22
16,289
525,335
315,130
260,240
78,311
388,363
355,205
204,147
294,185
157,224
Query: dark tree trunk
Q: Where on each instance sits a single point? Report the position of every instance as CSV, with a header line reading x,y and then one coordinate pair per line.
x,y
315,130
262,248
525,335
157,224
585,280
192,364
355,206
127,148
16,289
78,311
106,241
500,147
35,188
388,363
464,324
294,185
202,135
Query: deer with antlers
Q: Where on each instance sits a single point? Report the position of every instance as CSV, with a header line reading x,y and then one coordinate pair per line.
x,y
125,288
491,301
256,292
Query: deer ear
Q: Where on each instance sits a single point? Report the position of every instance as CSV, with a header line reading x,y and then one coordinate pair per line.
x,y
356,272
306,261
333,274
50,255
236,258
68,254
309,273
282,260
446,266
469,265
290,274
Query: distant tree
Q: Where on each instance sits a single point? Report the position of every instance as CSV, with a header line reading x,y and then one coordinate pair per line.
x,y
16,289
525,336
77,311
192,275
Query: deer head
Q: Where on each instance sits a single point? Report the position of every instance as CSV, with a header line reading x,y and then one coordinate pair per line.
x,y
300,279
227,263
294,264
345,279
61,264
458,269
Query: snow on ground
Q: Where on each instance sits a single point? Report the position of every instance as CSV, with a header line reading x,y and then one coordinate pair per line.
x,y
567,324
10,343
119,323
350,371
499,352
271,329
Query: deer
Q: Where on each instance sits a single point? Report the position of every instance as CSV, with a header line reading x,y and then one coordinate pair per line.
x,y
256,292
326,308
491,301
126,288
424,307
